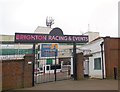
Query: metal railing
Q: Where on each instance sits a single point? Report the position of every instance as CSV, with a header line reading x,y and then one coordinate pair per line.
x,y
9,57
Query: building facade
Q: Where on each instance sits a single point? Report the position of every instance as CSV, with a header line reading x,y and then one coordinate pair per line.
x,y
10,49
102,65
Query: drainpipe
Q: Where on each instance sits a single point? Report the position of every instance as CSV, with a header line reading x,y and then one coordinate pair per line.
x,y
102,59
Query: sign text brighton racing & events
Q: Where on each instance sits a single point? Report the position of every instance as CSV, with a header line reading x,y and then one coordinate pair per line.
x,y
39,38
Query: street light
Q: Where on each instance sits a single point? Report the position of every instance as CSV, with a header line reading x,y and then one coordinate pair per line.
x,y
102,59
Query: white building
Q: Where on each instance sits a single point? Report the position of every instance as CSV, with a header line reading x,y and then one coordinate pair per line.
x,y
92,35
93,64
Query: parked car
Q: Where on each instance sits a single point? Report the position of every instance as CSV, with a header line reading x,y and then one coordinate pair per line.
x,y
38,71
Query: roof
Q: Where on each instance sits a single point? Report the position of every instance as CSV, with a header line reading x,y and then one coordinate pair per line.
x,y
43,30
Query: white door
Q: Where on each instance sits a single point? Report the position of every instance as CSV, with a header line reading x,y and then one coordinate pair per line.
x,y
86,67
71,65
47,68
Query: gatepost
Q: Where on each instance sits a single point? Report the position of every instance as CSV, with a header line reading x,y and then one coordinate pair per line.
x,y
79,66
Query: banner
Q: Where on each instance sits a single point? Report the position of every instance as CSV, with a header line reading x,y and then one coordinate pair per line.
x,y
42,38
49,50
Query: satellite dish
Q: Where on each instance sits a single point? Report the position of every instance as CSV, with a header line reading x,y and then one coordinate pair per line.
x,y
49,21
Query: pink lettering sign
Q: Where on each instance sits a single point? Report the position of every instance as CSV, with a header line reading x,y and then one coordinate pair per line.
x,y
39,38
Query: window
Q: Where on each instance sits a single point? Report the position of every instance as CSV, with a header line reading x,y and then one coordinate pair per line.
x,y
48,67
97,63
57,67
41,68
49,61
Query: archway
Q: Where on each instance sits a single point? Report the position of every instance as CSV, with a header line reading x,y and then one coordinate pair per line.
x,y
55,36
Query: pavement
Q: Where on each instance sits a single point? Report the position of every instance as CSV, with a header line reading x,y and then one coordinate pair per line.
x,y
89,84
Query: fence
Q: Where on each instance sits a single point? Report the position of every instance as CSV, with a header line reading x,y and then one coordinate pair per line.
x,y
52,67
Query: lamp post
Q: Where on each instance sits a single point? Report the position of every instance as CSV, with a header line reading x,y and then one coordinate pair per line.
x,y
102,59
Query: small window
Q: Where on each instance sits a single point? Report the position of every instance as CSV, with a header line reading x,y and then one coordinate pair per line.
x,y
48,67
41,68
97,64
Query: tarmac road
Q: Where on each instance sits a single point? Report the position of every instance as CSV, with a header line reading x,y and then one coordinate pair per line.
x,y
88,84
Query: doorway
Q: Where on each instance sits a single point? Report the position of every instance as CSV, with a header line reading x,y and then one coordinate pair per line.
x,y
86,68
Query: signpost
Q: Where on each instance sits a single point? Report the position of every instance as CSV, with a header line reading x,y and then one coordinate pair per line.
x,y
46,38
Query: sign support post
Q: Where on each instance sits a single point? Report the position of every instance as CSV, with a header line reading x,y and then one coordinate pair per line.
x,y
74,62
33,64
55,63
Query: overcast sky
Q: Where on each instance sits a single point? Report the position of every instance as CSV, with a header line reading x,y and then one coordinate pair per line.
x,y
72,16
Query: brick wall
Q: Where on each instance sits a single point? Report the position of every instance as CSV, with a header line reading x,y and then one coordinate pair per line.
x,y
28,71
119,70
80,71
17,73
119,59
112,52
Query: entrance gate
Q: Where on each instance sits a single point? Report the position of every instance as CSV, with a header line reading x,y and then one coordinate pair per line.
x,y
52,68
51,72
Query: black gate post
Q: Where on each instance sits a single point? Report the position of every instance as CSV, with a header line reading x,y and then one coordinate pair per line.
x,y
33,64
74,62
55,63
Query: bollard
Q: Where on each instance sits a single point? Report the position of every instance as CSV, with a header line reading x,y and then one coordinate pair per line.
x,y
115,73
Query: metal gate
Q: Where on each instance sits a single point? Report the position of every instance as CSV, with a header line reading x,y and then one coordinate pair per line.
x,y
52,65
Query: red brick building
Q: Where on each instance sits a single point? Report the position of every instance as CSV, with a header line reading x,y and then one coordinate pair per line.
x,y
112,55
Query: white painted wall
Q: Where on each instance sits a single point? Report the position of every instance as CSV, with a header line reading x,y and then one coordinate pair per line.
x,y
92,35
96,52
86,67
94,73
